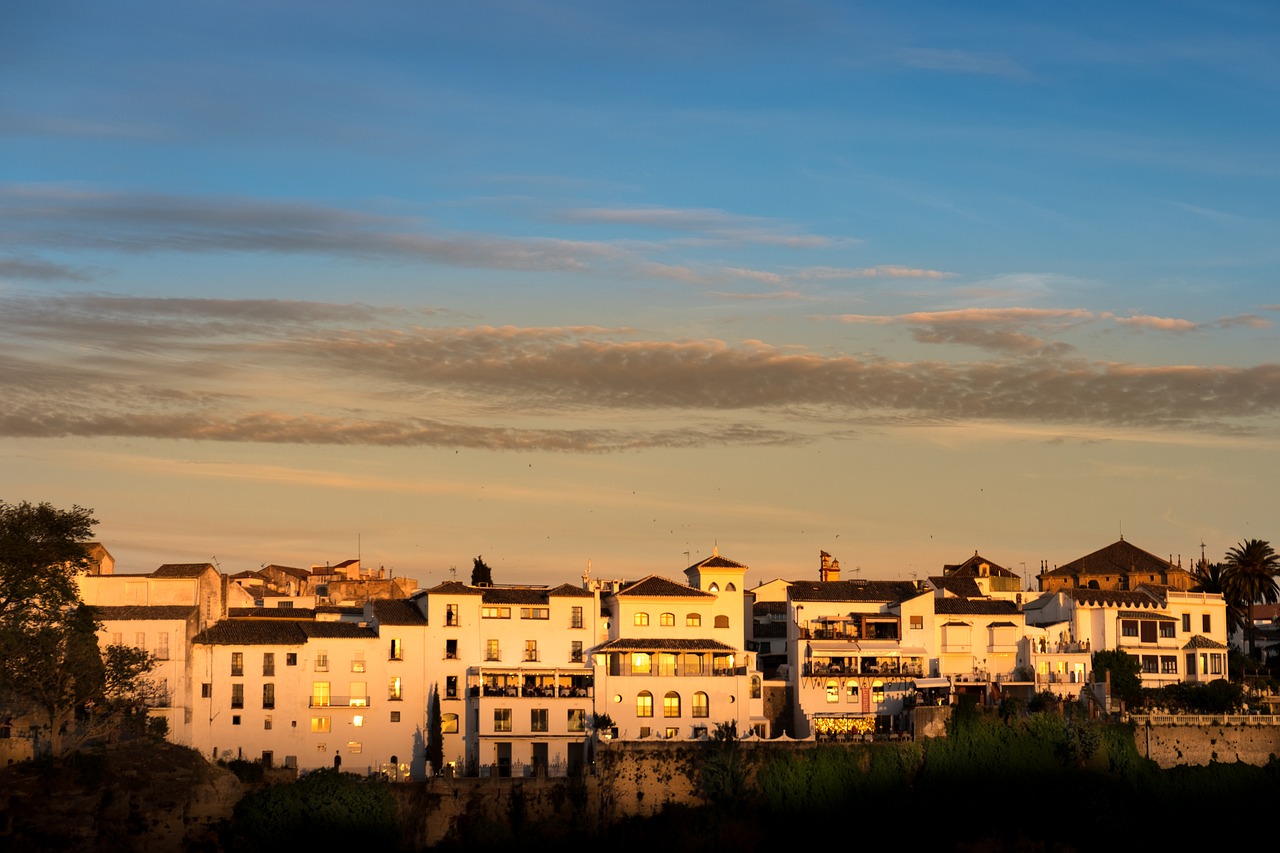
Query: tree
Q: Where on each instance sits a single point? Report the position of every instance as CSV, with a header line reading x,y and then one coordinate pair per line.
x,y
1126,677
435,732
1214,578
481,574
1250,573
49,655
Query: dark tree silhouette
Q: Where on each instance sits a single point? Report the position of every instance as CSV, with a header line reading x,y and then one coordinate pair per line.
x,y
481,574
1250,575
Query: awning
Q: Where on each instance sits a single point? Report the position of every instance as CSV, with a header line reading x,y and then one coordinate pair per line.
x,y
921,683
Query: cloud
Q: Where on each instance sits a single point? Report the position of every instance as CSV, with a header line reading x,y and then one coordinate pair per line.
x,y
961,61
34,269
722,226
312,373
1161,324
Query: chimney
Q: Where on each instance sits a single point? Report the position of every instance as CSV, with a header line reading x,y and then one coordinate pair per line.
x,y
830,570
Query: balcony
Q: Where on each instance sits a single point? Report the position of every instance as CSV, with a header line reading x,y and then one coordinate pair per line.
x,y
338,702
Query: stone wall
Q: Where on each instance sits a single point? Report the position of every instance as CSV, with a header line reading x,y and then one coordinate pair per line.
x,y
1169,746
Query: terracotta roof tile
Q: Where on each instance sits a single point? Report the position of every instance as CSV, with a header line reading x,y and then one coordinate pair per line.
x,y
397,613
143,612
859,590
293,613
658,587
1202,642
974,606
664,645
961,586
182,570
254,632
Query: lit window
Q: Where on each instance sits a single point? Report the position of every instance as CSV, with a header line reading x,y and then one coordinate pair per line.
x,y
577,720
530,650
354,747
491,651
667,620
502,719
700,705
451,615
715,587
319,694
851,691
666,663
917,622
640,663
495,612
672,733
397,649
671,704
359,697
693,620
320,725
394,690
755,687
877,691
237,664
575,651
833,690
575,621
538,719
449,724
535,612
642,619
644,704
693,664
357,662
357,720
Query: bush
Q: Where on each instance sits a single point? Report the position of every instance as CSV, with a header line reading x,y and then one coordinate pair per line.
x,y
325,808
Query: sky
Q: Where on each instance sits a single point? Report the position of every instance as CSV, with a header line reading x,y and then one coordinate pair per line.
x,y
570,284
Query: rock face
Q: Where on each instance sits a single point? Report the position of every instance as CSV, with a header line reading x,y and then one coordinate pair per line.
x,y
141,797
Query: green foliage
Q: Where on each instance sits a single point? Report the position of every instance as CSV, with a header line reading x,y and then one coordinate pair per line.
x,y
481,574
1214,697
602,721
41,549
723,777
325,808
1126,676
435,732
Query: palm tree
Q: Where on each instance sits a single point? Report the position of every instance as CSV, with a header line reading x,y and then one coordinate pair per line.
x,y
1250,572
1214,578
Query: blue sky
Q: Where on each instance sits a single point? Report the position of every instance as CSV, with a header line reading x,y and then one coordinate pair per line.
x,y
565,281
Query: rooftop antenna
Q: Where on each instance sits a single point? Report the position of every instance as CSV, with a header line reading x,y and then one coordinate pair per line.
x,y
453,573
357,546
216,563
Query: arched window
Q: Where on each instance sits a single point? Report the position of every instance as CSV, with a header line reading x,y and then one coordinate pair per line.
x,y
700,706
729,587
722,621
715,587
851,691
693,620
671,704
877,691
833,690
644,704
642,619
667,620
755,687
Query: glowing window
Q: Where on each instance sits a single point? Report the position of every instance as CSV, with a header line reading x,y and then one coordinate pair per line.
x,y
644,704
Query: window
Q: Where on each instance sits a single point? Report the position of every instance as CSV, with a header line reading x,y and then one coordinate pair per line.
x,y
502,719
206,690
538,719
319,694
693,664
851,691
451,615
451,687
450,649
268,695
117,639
577,720
575,651
495,612
237,696
1150,663
755,687
1149,630
235,719
715,587
320,725
666,663
641,663
354,747
729,587
1168,664
237,664
1186,623
644,704
268,664
645,731
1128,628
1206,622
667,620
700,706
833,690
357,662
917,623
359,697
722,621
530,650
395,689
1215,663
1168,630
672,732
140,639
701,732
322,661
642,619
671,704
291,659
397,649
575,620
693,620
162,646
395,716
448,724
491,651
358,721
877,691
266,723
535,612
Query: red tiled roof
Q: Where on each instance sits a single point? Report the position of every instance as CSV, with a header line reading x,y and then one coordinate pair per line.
x,y
659,587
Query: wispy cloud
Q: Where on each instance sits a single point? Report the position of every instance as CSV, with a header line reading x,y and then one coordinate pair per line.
x,y
34,269
311,373
720,224
961,62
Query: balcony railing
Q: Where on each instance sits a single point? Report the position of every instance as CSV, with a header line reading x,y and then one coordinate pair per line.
x,y
339,702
